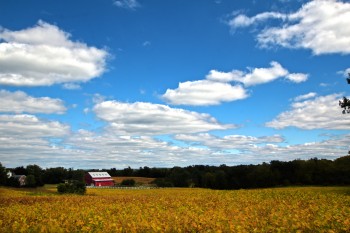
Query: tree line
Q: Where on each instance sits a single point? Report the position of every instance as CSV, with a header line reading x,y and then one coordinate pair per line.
x,y
37,176
276,173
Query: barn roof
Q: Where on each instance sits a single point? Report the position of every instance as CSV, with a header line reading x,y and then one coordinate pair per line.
x,y
99,174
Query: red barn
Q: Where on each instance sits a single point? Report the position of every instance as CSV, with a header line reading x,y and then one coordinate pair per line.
x,y
98,179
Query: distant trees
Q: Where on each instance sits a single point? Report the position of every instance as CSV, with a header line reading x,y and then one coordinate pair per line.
x,y
276,173
36,176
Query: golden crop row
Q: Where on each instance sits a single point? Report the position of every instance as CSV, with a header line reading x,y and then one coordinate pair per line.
x,y
178,210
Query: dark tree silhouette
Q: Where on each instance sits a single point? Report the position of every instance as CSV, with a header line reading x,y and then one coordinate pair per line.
x,y
345,103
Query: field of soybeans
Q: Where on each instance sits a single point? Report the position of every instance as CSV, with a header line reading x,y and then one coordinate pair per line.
x,y
295,209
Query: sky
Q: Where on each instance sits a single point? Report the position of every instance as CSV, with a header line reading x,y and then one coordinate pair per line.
x,y
164,83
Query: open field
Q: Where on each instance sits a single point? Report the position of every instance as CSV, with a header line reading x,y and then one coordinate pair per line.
x,y
305,209
138,180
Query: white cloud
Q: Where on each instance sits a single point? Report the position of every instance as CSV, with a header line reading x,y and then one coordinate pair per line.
x,y
29,126
297,77
244,21
347,72
263,75
306,96
226,77
322,112
128,4
44,55
204,92
319,25
257,75
153,119
71,86
20,102
331,148
216,88
25,139
229,142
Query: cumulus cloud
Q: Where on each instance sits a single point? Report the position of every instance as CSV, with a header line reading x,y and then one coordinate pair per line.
x,y
319,25
27,139
29,126
153,119
216,88
128,4
20,102
322,112
44,55
204,92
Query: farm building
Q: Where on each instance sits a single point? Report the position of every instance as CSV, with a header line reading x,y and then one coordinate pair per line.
x,y
98,179
21,179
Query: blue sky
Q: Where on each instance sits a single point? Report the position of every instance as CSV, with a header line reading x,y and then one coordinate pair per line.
x,y
101,84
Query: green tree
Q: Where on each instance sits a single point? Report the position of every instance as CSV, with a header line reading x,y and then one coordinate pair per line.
x,y
37,172
55,175
3,175
30,181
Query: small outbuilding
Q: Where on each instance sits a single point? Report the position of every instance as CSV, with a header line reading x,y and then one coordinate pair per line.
x,y
98,179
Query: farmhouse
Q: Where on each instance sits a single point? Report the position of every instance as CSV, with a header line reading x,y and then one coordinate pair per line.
x,y
21,179
98,179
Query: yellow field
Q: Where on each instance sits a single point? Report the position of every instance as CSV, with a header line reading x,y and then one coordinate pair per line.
x,y
309,209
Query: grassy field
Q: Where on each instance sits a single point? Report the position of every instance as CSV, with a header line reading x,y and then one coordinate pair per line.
x,y
304,209
138,180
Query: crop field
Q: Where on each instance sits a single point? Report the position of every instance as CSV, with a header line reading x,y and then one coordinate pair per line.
x,y
300,209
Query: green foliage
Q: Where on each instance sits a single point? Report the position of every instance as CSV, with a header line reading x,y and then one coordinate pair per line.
x,y
55,175
74,186
161,182
37,172
12,182
30,181
128,182
3,175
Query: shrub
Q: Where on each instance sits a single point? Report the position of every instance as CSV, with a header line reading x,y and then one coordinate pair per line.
x,y
73,186
128,182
